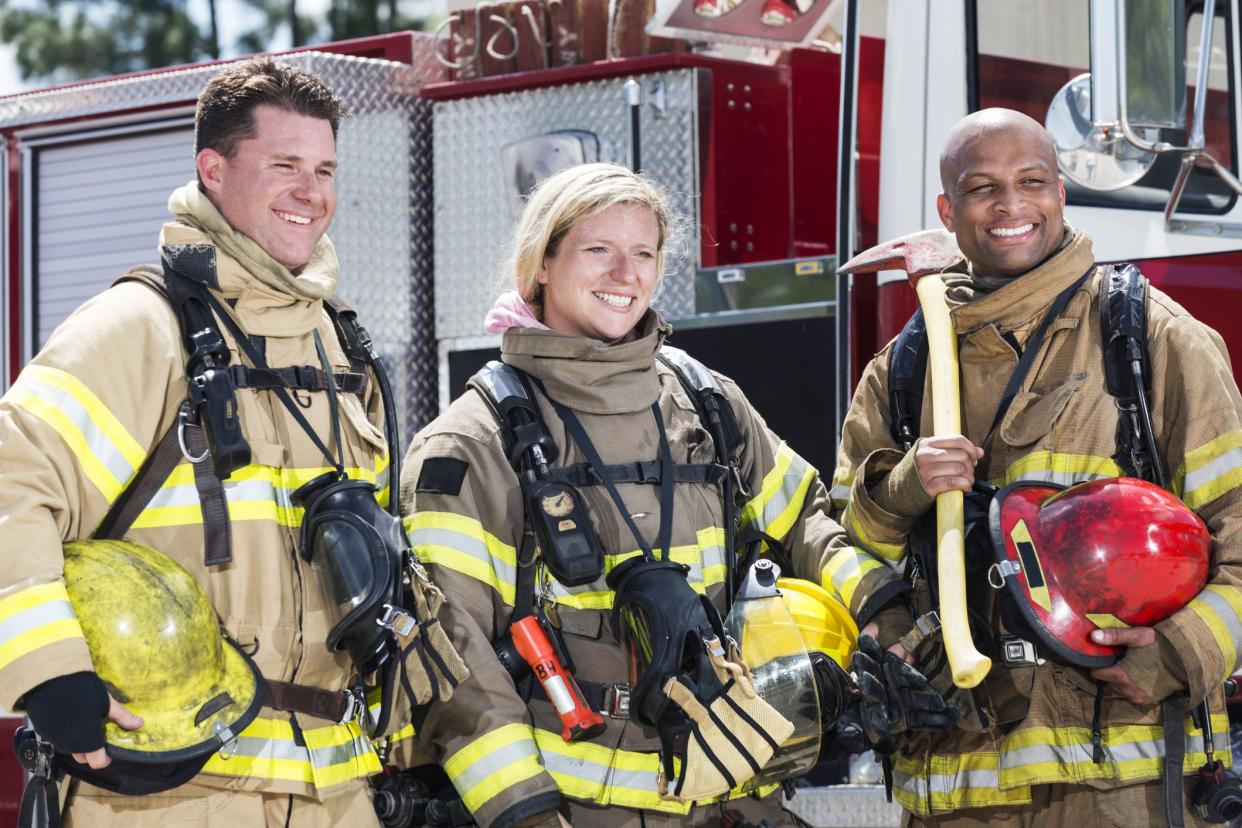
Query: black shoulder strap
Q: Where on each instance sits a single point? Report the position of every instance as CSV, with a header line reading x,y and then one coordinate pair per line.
x,y
709,401
506,392
907,367
717,414
1123,327
217,537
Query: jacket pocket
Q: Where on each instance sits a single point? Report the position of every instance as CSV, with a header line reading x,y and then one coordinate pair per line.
x,y
1032,414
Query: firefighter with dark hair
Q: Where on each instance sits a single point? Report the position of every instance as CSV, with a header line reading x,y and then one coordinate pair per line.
x,y
592,507
255,533
1110,608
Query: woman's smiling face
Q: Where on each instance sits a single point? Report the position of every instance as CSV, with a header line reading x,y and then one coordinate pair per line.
x,y
600,281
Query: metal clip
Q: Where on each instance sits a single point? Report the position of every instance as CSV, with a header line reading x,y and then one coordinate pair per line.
x,y
182,416
1018,652
617,701
228,740
998,572
929,623
400,622
354,707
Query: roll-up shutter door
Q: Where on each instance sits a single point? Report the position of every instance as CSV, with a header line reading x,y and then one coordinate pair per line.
x,y
99,208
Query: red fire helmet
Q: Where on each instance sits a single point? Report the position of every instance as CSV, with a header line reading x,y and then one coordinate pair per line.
x,y
1116,552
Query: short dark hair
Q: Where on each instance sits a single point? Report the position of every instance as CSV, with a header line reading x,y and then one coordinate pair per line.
x,y
226,108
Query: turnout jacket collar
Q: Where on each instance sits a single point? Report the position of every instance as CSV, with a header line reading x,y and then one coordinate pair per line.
x,y
589,375
271,300
1028,295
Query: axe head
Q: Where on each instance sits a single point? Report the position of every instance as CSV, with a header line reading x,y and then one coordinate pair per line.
x,y
918,254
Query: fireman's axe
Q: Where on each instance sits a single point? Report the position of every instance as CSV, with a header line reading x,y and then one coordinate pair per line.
x,y
923,256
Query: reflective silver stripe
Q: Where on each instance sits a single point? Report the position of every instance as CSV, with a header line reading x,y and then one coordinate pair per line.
x,y
1209,472
495,760
461,542
948,783
1063,478
336,754
235,491
102,447
1228,617
916,786
597,774
840,493
33,618
259,748
782,498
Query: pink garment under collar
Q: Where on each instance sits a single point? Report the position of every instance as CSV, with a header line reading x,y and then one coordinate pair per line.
x,y
510,311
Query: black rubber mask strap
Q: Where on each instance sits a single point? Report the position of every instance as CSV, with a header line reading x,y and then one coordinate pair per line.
x,y
574,426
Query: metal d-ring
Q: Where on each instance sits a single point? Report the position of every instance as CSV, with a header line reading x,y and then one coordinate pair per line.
x,y
185,451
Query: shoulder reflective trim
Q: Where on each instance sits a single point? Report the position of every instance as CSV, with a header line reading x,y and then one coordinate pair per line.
x,y
493,763
462,544
890,551
252,492
779,501
1210,470
1056,467
1219,606
35,617
705,559
108,454
845,570
266,749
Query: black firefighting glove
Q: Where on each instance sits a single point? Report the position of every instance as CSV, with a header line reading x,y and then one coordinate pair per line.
x,y
892,697
69,712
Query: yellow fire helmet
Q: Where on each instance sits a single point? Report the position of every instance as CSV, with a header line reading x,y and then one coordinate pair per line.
x,y
157,645
826,625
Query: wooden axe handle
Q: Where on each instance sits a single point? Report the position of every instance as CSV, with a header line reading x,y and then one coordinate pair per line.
x,y
969,666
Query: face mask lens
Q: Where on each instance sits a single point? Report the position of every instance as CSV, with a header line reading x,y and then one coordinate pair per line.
x,y
341,552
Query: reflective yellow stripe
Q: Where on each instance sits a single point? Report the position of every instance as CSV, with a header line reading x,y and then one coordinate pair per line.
x,y
331,755
1219,606
1058,467
599,774
704,557
493,763
779,501
35,617
478,554
253,493
1210,470
889,551
105,450
1040,755
844,572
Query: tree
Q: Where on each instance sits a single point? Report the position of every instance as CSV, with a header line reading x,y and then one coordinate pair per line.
x,y
59,41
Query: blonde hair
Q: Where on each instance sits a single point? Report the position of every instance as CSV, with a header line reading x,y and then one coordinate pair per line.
x,y
560,202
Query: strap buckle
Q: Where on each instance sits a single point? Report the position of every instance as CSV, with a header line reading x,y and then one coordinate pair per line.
x,y
1018,652
928,623
397,621
355,706
617,701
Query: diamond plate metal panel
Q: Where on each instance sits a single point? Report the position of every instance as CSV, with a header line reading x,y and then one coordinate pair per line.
x,y
382,228
473,221
845,806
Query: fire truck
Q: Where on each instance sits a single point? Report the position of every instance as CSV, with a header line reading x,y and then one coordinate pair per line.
x,y
782,163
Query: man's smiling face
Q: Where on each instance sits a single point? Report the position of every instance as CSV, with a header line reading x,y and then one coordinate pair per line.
x,y
278,188
1002,196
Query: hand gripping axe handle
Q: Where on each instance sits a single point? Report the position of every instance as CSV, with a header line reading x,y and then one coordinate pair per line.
x,y
923,256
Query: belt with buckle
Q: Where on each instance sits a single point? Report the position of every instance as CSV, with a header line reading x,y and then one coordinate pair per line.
x,y
340,706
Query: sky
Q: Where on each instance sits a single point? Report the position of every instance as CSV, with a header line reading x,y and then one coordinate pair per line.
x,y
233,18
